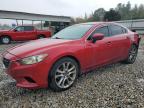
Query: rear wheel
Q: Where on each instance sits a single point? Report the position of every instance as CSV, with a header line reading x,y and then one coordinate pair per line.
x,y
41,36
5,40
132,55
63,74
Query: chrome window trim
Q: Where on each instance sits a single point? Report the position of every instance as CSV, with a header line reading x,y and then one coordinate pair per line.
x,y
99,26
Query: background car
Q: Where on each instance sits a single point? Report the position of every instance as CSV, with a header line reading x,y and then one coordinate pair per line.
x,y
57,62
23,33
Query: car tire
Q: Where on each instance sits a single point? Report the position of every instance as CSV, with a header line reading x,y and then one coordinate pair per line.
x,y
41,36
63,74
5,40
132,55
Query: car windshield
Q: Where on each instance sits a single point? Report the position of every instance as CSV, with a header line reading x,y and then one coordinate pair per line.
x,y
12,29
72,32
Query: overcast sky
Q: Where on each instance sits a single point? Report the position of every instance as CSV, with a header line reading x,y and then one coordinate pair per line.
x,y
74,8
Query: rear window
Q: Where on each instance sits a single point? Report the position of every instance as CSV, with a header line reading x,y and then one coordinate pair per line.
x,y
104,30
28,28
124,30
116,30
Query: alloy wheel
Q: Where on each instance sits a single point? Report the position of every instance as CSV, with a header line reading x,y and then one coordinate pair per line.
x,y
65,74
133,53
5,40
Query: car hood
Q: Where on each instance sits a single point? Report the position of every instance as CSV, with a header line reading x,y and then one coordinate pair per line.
x,y
35,47
4,30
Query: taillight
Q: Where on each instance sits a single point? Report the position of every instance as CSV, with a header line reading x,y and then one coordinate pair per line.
x,y
137,37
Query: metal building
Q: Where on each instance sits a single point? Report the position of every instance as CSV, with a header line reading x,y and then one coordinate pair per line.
x,y
47,20
137,25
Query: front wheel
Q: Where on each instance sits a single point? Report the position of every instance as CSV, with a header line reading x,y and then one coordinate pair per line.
x,y
5,40
132,55
63,74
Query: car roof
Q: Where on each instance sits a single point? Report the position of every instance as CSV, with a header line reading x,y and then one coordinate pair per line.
x,y
25,26
98,23
102,23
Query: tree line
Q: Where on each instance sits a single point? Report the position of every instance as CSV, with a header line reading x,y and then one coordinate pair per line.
x,y
120,12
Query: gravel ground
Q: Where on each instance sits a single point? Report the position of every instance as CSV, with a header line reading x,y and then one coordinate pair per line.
x,y
113,86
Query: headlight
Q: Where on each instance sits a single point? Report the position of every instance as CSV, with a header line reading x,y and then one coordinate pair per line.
x,y
33,59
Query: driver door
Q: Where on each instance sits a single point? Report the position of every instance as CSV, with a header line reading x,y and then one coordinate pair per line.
x,y
18,33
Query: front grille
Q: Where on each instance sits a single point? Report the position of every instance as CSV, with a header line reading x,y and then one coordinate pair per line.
x,y
6,62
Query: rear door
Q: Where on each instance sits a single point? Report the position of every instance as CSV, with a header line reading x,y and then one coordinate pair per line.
x,y
119,40
30,33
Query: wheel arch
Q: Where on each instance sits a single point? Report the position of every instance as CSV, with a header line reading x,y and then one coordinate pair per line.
x,y
61,57
3,35
134,43
69,56
74,58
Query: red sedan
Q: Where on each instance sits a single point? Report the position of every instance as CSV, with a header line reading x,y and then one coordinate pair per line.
x,y
57,62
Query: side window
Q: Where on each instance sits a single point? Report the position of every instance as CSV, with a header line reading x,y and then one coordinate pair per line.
x,y
116,30
28,28
124,30
104,30
19,28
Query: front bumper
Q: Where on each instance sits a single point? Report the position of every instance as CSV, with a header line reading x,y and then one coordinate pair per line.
x,y
28,76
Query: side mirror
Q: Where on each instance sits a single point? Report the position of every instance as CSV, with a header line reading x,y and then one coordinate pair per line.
x,y
133,30
15,30
97,36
